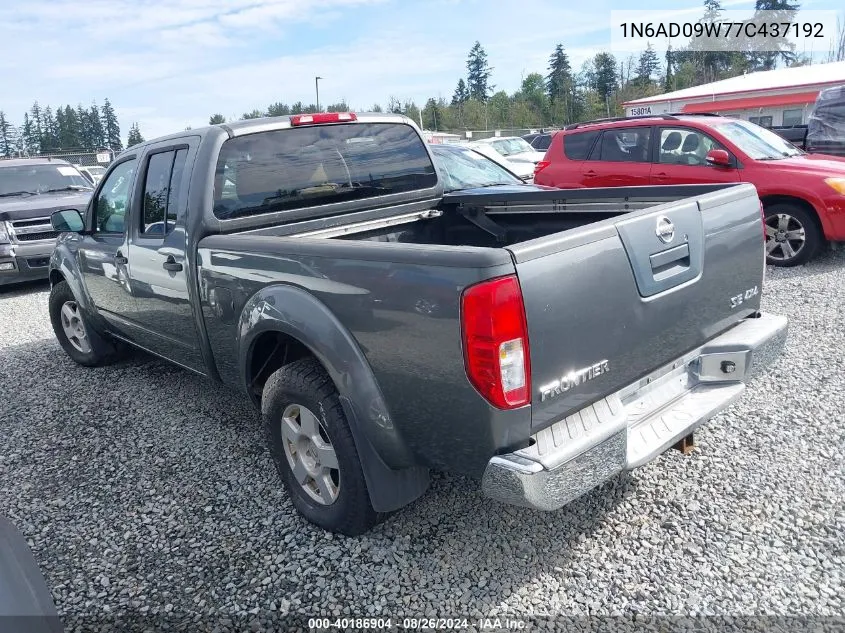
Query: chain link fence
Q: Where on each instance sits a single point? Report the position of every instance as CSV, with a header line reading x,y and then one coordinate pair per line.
x,y
84,158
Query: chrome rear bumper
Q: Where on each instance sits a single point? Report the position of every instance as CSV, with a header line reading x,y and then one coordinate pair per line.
x,y
636,424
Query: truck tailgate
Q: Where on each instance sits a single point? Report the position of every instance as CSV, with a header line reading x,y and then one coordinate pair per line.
x,y
609,303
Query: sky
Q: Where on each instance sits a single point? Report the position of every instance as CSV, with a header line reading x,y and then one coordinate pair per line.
x,y
169,64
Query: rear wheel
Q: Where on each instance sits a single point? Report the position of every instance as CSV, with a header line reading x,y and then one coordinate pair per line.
x,y
792,235
74,332
313,449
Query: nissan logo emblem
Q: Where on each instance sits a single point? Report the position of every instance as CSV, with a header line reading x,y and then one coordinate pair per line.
x,y
665,230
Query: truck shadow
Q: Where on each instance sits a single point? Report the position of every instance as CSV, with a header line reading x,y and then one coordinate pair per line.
x,y
11,291
167,434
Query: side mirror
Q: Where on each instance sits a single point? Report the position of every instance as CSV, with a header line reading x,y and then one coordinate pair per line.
x,y
718,158
67,221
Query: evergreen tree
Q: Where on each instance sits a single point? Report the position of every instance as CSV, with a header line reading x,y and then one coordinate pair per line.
x,y
461,95
70,137
95,134
8,136
111,127
669,81
214,119
394,105
255,114
49,139
134,136
605,76
647,66
478,73
37,128
28,143
432,115
376,108
781,11
561,86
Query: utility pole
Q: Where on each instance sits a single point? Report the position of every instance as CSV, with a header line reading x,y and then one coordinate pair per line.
x,y
317,88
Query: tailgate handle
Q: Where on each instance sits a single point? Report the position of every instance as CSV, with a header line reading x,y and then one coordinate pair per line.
x,y
670,262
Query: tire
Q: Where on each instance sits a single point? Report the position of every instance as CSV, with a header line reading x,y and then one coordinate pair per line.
x,y
783,220
292,394
88,347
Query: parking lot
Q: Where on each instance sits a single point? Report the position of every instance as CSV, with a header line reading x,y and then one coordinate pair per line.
x,y
144,489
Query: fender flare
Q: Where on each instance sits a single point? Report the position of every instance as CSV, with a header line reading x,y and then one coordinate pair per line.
x,y
63,262
393,480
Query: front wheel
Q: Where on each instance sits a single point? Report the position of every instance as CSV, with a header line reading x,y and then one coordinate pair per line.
x,y
792,235
74,332
313,449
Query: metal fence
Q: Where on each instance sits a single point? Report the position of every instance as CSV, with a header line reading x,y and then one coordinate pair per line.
x,y
85,158
475,135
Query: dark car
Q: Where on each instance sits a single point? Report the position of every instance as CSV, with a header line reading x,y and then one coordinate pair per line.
x,y
31,189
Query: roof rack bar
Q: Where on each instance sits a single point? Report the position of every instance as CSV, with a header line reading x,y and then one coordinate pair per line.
x,y
668,117
677,114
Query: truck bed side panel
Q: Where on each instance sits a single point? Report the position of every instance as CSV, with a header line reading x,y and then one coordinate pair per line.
x,y
401,304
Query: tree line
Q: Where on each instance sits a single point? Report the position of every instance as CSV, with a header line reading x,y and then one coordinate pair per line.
x,y
45,130
561,94
558,96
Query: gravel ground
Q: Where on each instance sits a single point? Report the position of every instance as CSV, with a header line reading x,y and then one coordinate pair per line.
x,y
144,490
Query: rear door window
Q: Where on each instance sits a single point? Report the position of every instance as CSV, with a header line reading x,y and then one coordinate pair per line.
x,y
577,145
629,145
296,168
161,191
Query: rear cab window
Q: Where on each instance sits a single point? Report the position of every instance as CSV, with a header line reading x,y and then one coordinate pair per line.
x,y
297,168
577,145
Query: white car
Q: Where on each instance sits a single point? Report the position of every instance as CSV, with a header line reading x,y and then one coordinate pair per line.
x,y
93,173
522,168
513,148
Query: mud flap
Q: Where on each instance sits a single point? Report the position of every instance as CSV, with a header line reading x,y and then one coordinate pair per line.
x,y
389,489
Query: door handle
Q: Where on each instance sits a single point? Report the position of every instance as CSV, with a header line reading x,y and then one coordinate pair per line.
x,y
661,175
589,174
171,264
120,260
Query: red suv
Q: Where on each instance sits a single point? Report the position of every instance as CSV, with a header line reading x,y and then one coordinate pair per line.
x,y
803,195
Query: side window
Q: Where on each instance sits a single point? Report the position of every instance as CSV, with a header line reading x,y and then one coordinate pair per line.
x,y
161,192
577,145
793,117
628,145
113,199
684,146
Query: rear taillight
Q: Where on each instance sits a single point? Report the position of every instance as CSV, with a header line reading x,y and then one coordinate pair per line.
x,y
495,339
540,166
322,117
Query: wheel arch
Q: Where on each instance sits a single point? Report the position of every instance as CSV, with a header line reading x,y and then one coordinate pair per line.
x,y
778,198
297,324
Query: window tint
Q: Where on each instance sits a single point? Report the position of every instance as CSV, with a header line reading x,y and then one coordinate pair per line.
x,y
113,199
793,117
161,191
311,166
577,145
684,146
630,145
176,179
542,142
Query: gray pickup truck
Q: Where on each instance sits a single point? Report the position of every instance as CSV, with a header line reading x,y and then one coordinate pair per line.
x,y
541,340
31,189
